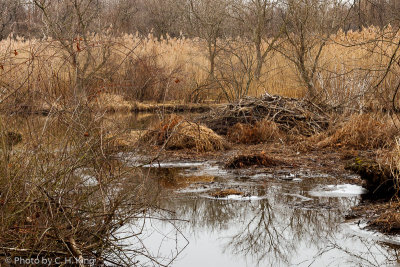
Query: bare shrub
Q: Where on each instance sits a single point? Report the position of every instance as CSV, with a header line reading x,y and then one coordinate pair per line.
x,y
147,80
62,193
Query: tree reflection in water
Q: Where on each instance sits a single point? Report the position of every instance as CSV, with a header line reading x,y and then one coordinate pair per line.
x,y
279,229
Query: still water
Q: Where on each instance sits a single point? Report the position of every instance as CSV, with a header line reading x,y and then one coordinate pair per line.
x,y
282,218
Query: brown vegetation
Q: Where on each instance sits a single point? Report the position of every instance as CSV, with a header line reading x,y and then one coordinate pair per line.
x,y
163,70
126,141
389,217
384,216
177,133
262,131
248,160
199,51
170,107
111,103
290,115
11,139
52,187
360,131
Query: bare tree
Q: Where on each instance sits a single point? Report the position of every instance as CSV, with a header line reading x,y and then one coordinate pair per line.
x,y
71,23
259,20
308,25
206,19
12,17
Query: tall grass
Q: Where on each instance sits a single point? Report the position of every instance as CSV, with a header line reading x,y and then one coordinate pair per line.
x,y
174,68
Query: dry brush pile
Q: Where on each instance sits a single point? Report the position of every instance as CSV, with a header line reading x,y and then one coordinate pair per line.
x,y
290,115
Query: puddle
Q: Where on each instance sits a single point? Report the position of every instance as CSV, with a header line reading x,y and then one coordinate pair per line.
x,y
275,222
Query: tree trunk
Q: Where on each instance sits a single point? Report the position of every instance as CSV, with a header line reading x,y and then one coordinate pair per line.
x,y
211,57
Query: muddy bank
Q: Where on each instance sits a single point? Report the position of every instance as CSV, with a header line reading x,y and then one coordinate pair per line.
x,y
380,180
382,216
380,207
117,106
172,108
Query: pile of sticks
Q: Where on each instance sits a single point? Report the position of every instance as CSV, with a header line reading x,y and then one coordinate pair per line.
x,y
289,114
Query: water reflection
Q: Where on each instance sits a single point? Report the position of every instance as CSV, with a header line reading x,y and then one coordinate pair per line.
x,y
287,228
262,230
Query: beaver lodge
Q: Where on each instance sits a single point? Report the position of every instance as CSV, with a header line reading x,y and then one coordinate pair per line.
x,y
290,115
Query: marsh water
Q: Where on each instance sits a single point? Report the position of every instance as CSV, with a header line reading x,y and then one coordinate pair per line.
x,y
279,217
282,218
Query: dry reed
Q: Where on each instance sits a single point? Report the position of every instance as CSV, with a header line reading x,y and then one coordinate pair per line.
x,y
360,131
177,133
347,69
261,131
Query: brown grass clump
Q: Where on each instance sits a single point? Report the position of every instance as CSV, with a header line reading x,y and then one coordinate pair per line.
x,y
127,140
176,181
260,159
261,131
226,192
178,133
361,131
111,103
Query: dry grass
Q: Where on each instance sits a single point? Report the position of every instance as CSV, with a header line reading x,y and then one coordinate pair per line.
x,y
128,140
389,219
111,103
360,131
179,65
262,131
177,133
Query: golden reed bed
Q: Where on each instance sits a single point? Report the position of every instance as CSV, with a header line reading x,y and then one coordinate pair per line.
x,y
351,63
